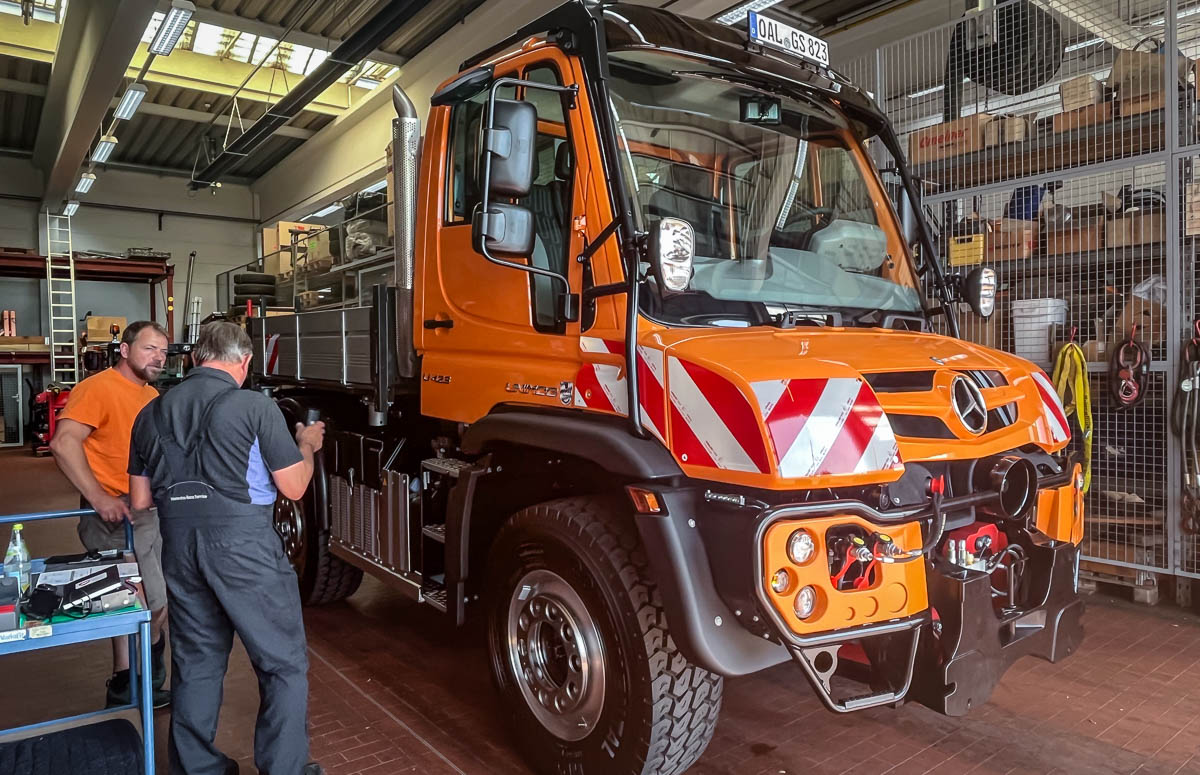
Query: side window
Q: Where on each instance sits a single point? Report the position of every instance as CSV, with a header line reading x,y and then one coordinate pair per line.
x,y
462,192
551,196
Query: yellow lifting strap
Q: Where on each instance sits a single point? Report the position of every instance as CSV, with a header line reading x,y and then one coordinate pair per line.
x,y
1071,383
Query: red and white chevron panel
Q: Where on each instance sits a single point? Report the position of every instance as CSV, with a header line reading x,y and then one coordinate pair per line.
x,y
602,386
272,355
826,426
1052,408
712,422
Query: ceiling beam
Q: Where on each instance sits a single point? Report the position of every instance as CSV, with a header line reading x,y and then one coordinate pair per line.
x,y
275,31
14,86
96,42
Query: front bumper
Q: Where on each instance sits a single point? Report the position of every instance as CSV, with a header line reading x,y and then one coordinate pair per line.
x,y
948,657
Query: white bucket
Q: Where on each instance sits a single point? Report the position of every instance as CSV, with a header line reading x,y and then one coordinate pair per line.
x,y
1032,320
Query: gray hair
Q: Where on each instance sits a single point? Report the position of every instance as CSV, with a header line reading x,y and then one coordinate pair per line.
x,y
221,341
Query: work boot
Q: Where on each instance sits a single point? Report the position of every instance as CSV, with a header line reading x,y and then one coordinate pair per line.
x,y
120,694
158,664
312,768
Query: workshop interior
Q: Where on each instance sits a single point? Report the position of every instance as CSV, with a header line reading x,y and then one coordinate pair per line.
x,y
679,386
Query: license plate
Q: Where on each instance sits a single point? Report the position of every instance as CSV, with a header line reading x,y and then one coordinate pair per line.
x,y
768,32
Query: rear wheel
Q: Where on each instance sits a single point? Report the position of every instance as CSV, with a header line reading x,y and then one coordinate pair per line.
x,y
323,578
580,650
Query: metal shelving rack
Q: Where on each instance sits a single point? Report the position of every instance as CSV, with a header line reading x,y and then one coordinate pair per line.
x,y
1011,59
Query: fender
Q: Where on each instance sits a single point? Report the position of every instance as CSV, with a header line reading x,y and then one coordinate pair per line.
x,y
603,440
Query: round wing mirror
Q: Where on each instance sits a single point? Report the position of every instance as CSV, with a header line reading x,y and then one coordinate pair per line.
x,y
979,290
672,248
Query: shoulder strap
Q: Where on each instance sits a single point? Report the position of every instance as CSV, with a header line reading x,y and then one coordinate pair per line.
x,y
185,466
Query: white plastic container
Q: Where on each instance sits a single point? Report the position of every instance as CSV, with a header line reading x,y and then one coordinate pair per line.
x,y
1032,320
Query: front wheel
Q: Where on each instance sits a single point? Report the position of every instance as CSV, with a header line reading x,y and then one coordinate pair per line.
x,y
580,650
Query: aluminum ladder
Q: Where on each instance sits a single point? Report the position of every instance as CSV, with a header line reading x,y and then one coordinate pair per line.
x,y
60,297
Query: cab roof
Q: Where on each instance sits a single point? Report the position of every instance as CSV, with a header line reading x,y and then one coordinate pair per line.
x,y
630,27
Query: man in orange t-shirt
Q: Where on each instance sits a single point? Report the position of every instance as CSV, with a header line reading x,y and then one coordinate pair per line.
x,y
91,446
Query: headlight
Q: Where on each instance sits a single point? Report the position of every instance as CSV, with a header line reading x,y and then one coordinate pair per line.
x,y
806,602
801,547
674,245
781,581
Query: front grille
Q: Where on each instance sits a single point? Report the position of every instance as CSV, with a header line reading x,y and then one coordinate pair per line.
x,y
919,426
1001,417
901,381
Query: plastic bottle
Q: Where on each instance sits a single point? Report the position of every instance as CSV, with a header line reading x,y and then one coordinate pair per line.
x,y
16,559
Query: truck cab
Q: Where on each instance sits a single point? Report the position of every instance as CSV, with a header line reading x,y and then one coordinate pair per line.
x,y
664,392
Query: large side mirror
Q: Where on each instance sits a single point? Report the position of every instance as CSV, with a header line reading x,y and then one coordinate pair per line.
x,y
979,290
509,144
503,228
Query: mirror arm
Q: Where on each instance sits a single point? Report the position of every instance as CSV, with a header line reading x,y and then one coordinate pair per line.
x,y
597,291
590,249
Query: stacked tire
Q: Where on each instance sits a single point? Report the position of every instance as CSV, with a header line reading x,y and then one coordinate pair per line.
x,y
258,287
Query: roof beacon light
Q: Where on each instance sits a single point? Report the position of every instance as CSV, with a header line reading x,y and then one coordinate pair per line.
x,y
86,181
130,101
104,149
172,27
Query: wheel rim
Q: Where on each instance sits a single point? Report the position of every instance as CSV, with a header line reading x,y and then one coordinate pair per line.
x,y
555,654
289,524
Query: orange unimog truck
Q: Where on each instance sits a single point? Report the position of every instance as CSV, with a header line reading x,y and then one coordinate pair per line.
x,y
657,391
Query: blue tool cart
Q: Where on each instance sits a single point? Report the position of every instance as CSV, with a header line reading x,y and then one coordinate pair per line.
x,y
133,622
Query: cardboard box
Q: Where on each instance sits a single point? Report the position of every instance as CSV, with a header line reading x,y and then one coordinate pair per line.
x,y
1150,318
952,138
98,328
1075,236
1139,104
280,235
1138,73
1005,129
1081,117
1135,229
1012,239
1080,92
319,245
278,263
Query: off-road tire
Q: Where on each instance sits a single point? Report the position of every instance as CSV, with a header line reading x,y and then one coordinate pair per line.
x,y
253,277
254,289
322,577
659,710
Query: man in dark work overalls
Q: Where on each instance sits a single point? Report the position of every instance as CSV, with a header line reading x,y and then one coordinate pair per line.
x,y
211,457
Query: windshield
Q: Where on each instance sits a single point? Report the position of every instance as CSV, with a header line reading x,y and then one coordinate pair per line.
x,y
788,217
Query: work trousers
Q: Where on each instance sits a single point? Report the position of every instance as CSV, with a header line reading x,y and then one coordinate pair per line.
x,y
224,576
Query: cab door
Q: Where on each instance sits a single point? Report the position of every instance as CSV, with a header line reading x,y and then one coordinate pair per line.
x,y
491,334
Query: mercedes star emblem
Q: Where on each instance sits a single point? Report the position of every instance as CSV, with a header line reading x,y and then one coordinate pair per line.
x,y
968,404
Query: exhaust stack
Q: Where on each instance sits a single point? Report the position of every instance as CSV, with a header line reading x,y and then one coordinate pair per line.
x,y
406,156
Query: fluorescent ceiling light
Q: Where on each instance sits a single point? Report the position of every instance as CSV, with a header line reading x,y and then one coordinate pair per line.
x,y
927,92
104,149
130,101
739,13
1083,44
381,185
71,207
324,211
86,181
172,27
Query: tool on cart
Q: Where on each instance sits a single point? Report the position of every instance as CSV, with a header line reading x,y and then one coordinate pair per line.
x,y
1129,372
1071,383
1185,417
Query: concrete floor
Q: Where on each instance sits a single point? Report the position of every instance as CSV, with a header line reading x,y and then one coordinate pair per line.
x,y
394,690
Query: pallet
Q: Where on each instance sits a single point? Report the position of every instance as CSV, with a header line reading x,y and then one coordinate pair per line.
x,y
1140,551
316,267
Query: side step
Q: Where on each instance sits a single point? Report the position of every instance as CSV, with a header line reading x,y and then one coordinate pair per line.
x,y
434,593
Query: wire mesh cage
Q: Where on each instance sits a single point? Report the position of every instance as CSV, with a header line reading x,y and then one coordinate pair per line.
x,y
1056,141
